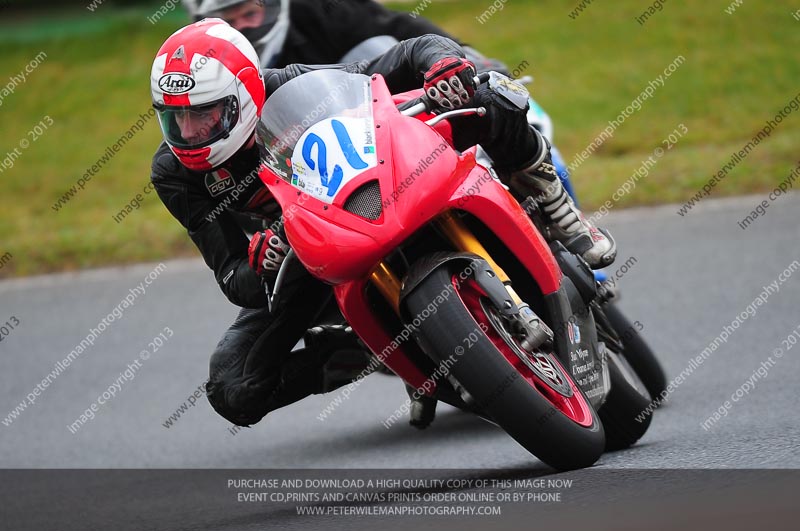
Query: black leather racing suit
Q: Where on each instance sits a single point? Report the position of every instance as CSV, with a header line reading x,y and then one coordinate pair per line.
x,y
253,370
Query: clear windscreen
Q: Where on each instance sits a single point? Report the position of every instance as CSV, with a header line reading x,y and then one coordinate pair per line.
x,y
307,100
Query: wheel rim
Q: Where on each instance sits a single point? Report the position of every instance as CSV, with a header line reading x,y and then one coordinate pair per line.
x,y
541,370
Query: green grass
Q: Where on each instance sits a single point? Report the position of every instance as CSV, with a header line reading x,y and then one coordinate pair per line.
x,y
93,85
740,69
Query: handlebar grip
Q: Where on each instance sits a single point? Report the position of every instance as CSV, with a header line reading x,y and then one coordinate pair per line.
x,y
422,104
418,108
480,79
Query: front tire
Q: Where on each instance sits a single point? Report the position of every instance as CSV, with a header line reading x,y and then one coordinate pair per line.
x,y
560,427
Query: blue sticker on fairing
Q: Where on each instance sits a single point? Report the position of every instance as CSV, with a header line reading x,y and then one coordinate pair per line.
x,y
322,172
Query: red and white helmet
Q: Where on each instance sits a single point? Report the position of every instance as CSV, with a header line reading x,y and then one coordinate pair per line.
x,y
208,91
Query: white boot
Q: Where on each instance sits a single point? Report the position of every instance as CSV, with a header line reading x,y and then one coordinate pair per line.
x,y
563,220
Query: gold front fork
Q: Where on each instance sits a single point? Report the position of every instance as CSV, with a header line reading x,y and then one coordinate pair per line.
x,y
388,284
463,240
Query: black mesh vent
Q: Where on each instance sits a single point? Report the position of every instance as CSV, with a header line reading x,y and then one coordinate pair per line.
x,y
365,201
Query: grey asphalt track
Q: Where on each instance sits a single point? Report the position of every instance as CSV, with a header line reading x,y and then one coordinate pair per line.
x,y
693,275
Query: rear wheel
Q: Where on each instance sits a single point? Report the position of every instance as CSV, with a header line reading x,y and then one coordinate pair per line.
x,y
636,351
528,394
625,413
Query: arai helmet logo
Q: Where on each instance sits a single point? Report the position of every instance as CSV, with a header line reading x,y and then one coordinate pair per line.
x,y
176,83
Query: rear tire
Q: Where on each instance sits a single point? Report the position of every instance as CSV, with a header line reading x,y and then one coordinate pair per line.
x,y
625,413
637,353
562,431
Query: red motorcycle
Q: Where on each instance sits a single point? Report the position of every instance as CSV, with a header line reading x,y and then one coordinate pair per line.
x,y
439,270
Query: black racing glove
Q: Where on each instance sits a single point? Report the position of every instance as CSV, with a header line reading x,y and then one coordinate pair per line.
x,y
450,83
267,251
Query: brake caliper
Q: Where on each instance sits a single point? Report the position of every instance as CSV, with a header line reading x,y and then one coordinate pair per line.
x,y
530,329
533,330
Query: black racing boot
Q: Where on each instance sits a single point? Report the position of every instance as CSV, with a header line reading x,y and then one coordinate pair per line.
x,y
423,408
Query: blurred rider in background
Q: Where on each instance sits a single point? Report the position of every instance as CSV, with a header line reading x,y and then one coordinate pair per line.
x,y
285,32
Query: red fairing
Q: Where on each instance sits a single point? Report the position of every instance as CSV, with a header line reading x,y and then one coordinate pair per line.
x,y
488,201
420,176
356,309
443,128
337,246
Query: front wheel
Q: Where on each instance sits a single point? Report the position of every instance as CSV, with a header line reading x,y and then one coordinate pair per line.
x,y
528,394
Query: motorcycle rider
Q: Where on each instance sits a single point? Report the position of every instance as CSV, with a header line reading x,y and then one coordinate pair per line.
x,y
322,32
319,32
284,32
208,92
